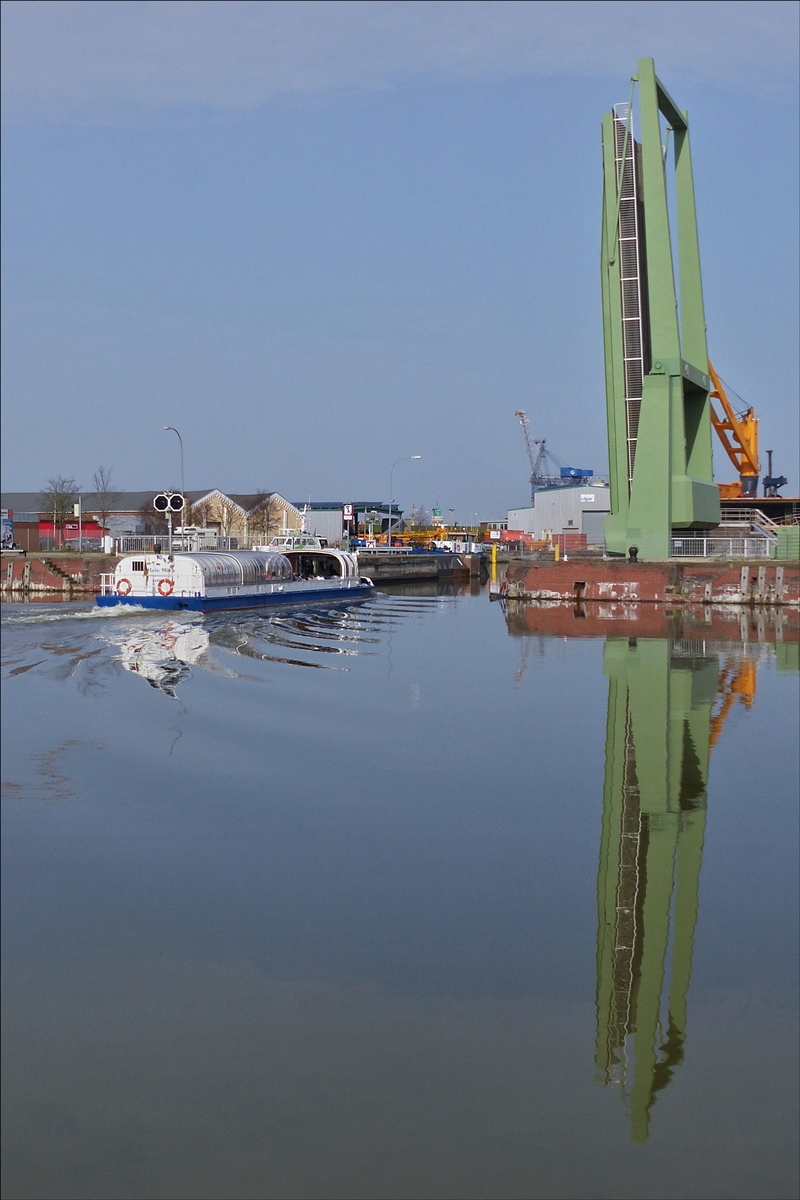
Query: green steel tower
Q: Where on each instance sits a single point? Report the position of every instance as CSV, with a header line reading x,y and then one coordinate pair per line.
x,y
656,360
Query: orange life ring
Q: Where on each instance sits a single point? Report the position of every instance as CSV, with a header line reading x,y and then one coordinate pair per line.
x,y
124,587
165,587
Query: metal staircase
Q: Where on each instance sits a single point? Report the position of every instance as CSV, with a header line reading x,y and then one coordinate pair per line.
x,y
632,285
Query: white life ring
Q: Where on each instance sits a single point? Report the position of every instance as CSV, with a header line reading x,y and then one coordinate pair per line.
x,y
124,587
165,587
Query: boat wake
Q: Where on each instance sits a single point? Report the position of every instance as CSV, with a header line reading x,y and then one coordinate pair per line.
x,y
166,650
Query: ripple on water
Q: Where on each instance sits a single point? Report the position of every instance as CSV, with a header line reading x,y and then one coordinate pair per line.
x,y
164,649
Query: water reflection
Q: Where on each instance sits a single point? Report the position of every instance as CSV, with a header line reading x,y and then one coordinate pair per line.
x,y
393,927
164,651
668,700
654,813
164,654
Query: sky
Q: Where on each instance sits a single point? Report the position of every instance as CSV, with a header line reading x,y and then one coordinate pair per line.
x,y
319,238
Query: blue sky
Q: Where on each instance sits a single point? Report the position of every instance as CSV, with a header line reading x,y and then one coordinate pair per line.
x,y
319,237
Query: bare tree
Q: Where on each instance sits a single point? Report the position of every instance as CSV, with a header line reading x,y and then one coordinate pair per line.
x,y
198,515
259,519
58,498
107,495
419,516
154,522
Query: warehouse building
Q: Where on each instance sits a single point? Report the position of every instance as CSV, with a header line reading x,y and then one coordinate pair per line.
x,y
560,510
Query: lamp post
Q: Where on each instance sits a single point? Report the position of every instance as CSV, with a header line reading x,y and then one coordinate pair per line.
x,y
183,510
180,439
405,458
77,511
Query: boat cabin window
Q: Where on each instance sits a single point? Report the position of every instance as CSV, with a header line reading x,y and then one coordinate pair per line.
x,y
313,566
137,566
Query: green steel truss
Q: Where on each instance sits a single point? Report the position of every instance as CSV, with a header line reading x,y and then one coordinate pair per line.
x,y
654,811
657,383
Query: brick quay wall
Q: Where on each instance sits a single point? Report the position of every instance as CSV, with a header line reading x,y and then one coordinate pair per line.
x,y
760,581
71,574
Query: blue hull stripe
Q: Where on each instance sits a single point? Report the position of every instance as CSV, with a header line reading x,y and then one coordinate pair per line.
x,y
211,603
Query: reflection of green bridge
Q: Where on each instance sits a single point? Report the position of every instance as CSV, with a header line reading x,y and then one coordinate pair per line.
x,y
654,806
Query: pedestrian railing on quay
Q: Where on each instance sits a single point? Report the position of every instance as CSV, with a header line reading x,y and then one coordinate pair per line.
x,y
147,543
397,551
406,551
49,545
714,547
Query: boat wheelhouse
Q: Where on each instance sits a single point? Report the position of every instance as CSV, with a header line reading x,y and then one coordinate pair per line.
x,y
294,541
236,579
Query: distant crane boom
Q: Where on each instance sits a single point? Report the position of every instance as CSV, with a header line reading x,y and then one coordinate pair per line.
x,y
537,463
523,420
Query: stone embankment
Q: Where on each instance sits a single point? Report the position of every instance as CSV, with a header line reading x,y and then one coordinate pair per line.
x,y
394,567
64,574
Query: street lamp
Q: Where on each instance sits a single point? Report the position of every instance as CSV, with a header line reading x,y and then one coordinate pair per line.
x,y
180,439
183,510
405,458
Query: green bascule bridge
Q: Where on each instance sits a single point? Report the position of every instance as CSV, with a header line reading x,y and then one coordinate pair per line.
x,y
656,358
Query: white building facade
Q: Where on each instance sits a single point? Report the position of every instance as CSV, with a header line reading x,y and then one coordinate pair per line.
x,y
565,510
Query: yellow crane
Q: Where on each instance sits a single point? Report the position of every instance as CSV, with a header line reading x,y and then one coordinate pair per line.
x,y
739,436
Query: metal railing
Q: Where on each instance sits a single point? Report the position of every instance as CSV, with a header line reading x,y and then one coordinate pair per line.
x,y
747,516
396,551
145,543
405,551
49,545
716,547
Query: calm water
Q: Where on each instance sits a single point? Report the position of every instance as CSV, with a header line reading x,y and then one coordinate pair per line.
x,y
415,899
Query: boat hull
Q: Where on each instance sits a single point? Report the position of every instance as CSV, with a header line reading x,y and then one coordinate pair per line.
x,y
242,600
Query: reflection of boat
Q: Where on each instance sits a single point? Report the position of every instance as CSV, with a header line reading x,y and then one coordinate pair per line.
x,y
236,579
163,656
